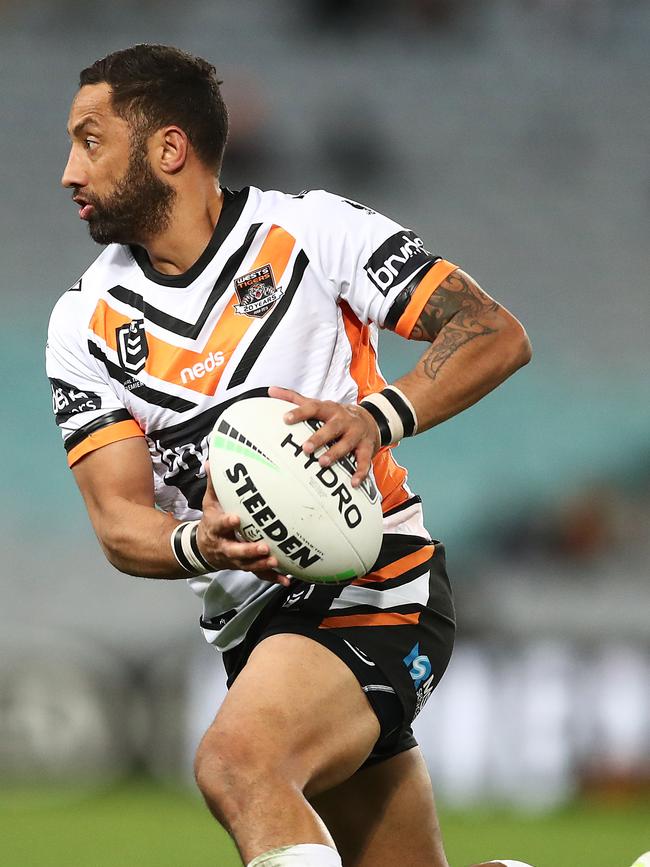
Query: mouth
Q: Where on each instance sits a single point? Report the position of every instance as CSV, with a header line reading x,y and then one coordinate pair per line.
x,y
85,208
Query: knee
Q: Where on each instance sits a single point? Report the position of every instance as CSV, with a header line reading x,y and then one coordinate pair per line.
x,y
216,777
227,769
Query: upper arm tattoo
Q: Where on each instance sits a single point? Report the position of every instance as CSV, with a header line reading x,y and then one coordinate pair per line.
x,y
456,313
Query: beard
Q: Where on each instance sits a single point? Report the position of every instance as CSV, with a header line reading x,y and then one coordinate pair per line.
x,y
138,208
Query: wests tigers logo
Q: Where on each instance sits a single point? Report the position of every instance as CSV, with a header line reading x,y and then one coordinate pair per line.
x,y
257,292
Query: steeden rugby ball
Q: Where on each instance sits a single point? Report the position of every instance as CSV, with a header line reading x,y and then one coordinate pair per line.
x,y
315,523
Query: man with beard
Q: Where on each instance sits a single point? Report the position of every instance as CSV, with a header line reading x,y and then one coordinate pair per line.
x,y
311,757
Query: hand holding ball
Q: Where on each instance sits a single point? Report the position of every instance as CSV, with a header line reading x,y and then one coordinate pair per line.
x,y
318,527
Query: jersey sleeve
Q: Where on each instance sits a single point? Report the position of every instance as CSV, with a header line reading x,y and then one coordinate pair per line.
x,y
383,270
87,410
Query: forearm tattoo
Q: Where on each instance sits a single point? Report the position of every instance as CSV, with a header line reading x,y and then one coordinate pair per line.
x,y
457,312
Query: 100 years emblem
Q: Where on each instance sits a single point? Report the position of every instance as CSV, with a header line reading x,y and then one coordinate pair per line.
x,y
257,292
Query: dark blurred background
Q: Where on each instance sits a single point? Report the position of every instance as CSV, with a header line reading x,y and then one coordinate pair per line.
x,y
513,136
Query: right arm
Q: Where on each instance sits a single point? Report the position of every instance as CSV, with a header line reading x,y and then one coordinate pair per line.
x,y
110,460
116,483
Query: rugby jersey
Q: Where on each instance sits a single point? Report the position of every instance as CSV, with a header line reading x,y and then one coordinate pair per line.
x,y
290,291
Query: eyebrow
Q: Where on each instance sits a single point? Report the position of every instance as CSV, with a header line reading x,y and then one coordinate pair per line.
x,y
78,127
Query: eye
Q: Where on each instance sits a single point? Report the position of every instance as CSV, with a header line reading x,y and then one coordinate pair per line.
x,y
90,144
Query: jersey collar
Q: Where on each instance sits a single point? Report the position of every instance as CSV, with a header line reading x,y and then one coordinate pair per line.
x,y
233,205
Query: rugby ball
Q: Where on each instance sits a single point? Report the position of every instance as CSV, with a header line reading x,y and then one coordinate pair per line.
x,y
315,523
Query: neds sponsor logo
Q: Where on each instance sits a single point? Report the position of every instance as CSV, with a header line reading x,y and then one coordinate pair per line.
x,y
199,370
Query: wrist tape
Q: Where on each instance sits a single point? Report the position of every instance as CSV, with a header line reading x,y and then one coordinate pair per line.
x,y
394,414
186,549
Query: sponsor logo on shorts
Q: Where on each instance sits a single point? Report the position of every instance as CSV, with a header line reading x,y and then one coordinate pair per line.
x,y
257,292
132,346
357,652
67,400
419,666
396,260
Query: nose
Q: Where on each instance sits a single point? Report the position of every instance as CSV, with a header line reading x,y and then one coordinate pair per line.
x,y
74,174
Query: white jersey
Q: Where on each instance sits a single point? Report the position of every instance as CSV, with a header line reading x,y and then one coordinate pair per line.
x,y
290,291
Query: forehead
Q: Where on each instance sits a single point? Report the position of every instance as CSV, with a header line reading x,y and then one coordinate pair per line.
x,y
92,103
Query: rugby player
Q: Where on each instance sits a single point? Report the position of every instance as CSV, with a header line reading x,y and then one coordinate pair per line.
x,y
204,296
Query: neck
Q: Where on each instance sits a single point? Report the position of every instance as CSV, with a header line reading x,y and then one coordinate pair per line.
x,y
194,217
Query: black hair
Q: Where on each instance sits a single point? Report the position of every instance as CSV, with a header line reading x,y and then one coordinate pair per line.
x,y
156,85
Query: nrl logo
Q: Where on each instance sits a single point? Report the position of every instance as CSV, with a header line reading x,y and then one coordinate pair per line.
x,y
257,292
132,346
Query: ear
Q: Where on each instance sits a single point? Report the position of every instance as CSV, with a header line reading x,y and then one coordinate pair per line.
x,y
173,149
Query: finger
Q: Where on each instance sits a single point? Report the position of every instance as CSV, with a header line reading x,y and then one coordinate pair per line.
x,y
343,446
220,525
326,434
322,410
363,456
287,394
245,553
273,577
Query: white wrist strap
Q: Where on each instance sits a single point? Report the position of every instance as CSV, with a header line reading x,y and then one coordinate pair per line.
x,y
394,414
186,549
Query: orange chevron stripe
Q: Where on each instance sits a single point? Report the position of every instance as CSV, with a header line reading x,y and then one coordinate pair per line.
x,y
105,321
389,476
398,567
173,363
386,618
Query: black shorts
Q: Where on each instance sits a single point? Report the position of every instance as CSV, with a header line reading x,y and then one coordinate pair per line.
x,y
397,646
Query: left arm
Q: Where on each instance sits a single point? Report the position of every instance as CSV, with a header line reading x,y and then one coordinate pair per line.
x,y
475,345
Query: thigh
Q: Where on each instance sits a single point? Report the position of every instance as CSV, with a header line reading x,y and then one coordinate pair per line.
x,y
295,709
385,815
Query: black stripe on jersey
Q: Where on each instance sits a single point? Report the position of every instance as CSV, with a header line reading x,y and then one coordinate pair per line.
x,y
151,395
231,210
96,424
274,318
405,505
402,301
183,448
180,326
192,429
